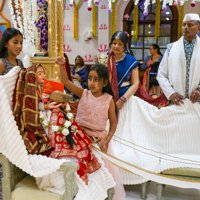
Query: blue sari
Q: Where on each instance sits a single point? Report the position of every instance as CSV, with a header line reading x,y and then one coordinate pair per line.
x,y
124,68
83,73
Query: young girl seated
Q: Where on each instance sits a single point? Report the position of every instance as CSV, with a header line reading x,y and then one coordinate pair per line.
x,y
94,179
10,47
96,106
64,134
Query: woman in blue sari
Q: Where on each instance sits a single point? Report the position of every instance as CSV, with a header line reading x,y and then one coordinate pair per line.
x,y
123,69
79,72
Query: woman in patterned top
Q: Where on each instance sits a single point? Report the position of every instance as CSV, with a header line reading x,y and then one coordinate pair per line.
x,y
10,47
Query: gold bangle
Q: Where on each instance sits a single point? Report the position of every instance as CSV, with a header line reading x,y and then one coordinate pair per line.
x,y
45,106
109,137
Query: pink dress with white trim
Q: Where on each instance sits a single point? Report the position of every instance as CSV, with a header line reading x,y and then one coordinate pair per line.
x,y
92,113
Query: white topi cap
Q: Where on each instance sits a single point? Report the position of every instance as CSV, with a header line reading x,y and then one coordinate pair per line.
x,y
191,17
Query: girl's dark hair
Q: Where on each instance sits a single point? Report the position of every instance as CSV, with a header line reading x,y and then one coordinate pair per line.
x,y
8,34
81,61
121,36
155,46
103,73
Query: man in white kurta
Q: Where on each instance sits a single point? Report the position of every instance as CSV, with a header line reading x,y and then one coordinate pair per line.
x,y
179,71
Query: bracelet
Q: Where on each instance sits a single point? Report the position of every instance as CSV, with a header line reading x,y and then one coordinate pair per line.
x,y
123,99
110,138
48,105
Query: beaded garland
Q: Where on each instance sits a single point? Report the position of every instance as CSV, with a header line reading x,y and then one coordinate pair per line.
x,y
94,19
76,19
135,22
157,22
113,18
180,20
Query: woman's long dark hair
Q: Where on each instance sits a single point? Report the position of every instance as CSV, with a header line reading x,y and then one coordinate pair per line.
x,y
8,34
103,73
81,61
155,46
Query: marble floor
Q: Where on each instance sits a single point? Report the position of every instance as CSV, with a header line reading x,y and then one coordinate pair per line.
x,y
133,192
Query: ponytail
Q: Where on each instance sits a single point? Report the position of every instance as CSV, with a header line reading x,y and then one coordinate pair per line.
x,y
155,46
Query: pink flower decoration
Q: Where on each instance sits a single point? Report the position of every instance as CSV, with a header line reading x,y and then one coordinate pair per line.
x,y
126,16
66,48
127,34
68,28
101,27
103,7
103,47
100,48
65,28
105,27
66,7
88,58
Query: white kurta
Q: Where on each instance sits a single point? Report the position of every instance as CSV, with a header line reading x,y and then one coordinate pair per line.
x,y
171,73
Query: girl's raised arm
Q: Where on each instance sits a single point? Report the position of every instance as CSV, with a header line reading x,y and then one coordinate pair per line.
x,y
64,78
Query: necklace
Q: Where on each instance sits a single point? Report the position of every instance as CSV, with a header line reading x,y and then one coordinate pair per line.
x,y
121,57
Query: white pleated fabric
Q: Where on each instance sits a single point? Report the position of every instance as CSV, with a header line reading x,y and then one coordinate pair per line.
x,y
98,183
155,139
12,146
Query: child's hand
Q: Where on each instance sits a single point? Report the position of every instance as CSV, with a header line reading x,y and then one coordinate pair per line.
x,y
60,60
104,146
54,105
79,79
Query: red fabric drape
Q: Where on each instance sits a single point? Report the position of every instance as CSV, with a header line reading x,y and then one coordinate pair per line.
x,y
67,67
160,101
113,75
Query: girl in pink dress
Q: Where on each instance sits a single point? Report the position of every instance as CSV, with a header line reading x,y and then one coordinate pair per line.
x,y
96,106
